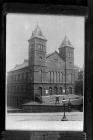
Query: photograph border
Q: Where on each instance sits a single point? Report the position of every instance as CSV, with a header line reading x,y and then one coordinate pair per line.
x,y
57,10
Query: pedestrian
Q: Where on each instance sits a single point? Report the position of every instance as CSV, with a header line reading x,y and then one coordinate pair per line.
x,y
57,99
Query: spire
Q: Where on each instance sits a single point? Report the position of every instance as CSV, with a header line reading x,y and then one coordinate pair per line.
x,y
37,33
66,42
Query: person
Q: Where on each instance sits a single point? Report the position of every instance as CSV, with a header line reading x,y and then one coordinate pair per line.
x,y
57,99
69,105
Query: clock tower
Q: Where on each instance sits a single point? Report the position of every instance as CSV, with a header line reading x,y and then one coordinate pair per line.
x,y
66,52
37,62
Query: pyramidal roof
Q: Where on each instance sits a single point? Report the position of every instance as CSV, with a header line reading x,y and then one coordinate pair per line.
x,y
38,33
66,42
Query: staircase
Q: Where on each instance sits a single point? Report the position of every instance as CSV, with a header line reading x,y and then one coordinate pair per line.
x,y
51,99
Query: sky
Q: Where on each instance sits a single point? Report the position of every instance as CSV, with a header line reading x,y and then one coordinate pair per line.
x,y
19,28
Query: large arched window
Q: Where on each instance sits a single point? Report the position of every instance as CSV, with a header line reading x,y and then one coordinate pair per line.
x,y
40,91
50,90
61,90
70,90
55,90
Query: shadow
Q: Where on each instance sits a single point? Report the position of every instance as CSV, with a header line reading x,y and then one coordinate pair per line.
x,y
42,135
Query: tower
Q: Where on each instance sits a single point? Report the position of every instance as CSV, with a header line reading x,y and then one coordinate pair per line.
x,y
66,52
37,62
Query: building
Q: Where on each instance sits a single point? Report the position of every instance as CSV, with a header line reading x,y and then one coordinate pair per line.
x,y
42,74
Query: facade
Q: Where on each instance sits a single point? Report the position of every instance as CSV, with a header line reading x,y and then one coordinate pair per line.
x,y
42,74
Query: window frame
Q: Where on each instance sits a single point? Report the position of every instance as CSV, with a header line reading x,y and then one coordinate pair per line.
x,y
68,10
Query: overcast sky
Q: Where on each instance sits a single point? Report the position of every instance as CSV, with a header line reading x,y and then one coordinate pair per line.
x,y
19,28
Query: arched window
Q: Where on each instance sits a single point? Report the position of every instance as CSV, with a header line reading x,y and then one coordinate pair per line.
x,y
70,90
40,75
51,77
58,77
54,77
40,91
55,90
50,90
61,77
61,90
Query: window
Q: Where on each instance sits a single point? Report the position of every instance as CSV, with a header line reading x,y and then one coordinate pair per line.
x,y
40,75
40,91
38,46
58,77
69,54
50,90
50,76
61,77
61,90
26,75
18,77
15,77
54,77
40,57
22,75
70,90
70,78
41,47
55,90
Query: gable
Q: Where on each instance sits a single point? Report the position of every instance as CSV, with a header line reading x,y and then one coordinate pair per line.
x,y
54,61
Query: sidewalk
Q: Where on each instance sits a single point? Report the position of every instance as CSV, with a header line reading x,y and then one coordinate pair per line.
x,y
57,116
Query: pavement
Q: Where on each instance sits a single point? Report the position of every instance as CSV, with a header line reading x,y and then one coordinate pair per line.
x,y
45,121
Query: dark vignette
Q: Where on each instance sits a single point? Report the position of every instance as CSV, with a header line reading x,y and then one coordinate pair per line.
x,y
51,8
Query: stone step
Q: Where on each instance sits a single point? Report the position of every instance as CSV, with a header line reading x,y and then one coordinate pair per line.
x,y
52,98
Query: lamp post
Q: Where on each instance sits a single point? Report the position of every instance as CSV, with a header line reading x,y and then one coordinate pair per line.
x,y
65,74
64,116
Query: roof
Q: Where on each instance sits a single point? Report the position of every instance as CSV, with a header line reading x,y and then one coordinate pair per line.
x,y
20,66
66,42
50,63
48,55
76,67
38,33
54,61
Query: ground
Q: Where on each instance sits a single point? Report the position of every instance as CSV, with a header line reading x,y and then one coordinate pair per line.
x,y
44,121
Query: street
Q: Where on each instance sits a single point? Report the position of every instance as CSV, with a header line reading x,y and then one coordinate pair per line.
x,y
45,121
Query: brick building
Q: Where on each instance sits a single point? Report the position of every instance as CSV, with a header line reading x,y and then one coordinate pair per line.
x,y
42,74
